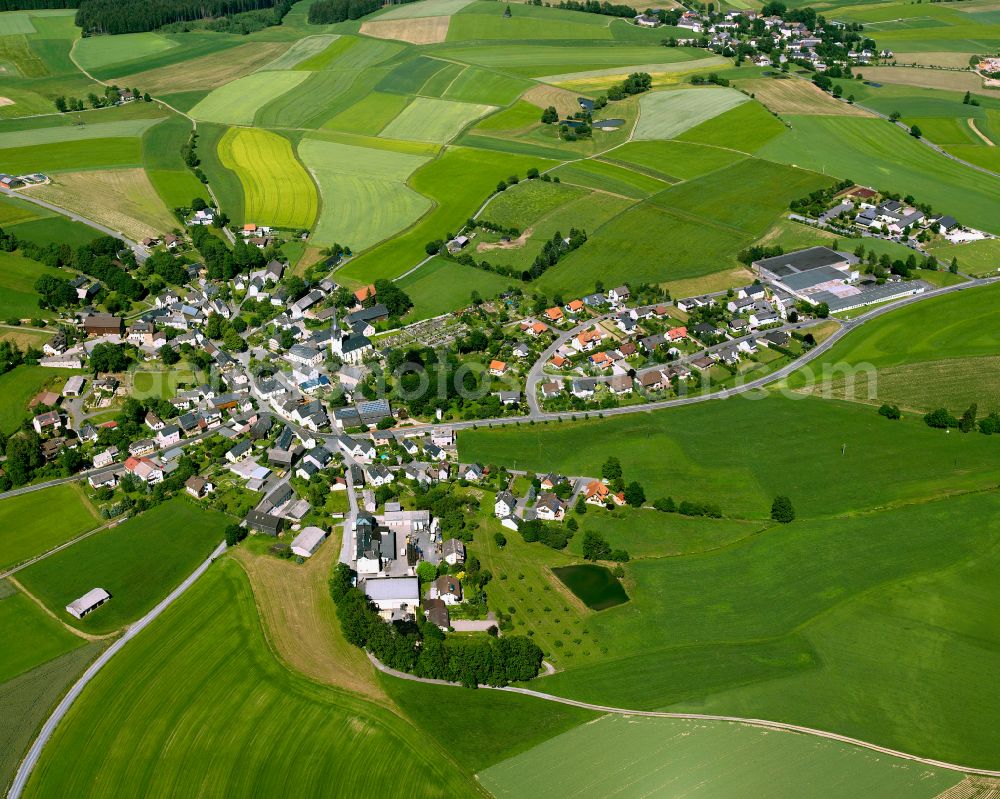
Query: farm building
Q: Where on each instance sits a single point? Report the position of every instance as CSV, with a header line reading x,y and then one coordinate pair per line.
x,y
92,600
74,386
307,542
392,594
102,324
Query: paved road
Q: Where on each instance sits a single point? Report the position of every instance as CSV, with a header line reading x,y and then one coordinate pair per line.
x,y
31,759
141,253
765,723
347,545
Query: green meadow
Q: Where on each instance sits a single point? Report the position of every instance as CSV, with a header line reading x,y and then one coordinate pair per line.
x,y
364,196
440,286
665,115
30,636
678,453
19,385
152,734
876,153
137,562
36,522
676,757
18,299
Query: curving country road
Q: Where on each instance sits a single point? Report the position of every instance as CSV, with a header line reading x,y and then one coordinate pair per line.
x,y
31,759
765,723
141,253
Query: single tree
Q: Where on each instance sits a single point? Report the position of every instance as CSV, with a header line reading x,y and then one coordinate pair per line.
x,y
782,510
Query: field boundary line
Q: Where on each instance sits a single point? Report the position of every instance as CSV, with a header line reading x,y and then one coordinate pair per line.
x,y
753,722
27,765
79,633
988,141
31,561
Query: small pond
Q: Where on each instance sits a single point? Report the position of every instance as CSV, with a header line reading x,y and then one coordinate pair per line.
x,y
609,124
595,585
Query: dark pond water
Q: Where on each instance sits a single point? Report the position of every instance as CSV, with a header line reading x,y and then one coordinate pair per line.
x,y
595,585
609,124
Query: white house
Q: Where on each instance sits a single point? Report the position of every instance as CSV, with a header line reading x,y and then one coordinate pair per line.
x,y
446,588
453,552
504,505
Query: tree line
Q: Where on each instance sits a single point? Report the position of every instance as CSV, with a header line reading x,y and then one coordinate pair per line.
x,y
326,12
136,16
421,648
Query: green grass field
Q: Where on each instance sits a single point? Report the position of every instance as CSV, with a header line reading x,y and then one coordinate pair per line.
x,y
611,178
302,50
72,156
458,181
369,115
669,452
747,128
19,385
138,563
154,735
664,115
237,103
35,523
277,189
980,258
96,52
784,626
364,194
440,286
929,354
54,230
96,130
523,205
536,59
425,8
480,728
475,85
30,636
674,757
873,152
675,160
26,701
645,533
431,120
15,22
18,299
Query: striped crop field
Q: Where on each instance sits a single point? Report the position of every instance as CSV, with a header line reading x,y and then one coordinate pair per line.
x,y
278,190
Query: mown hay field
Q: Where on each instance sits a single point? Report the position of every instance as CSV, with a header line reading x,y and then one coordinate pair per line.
x,y
791,96
152,734
208,71
301,50
36,522
237,103
138,563
364,194
424,30
122,199
277,189
431,120
663,115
